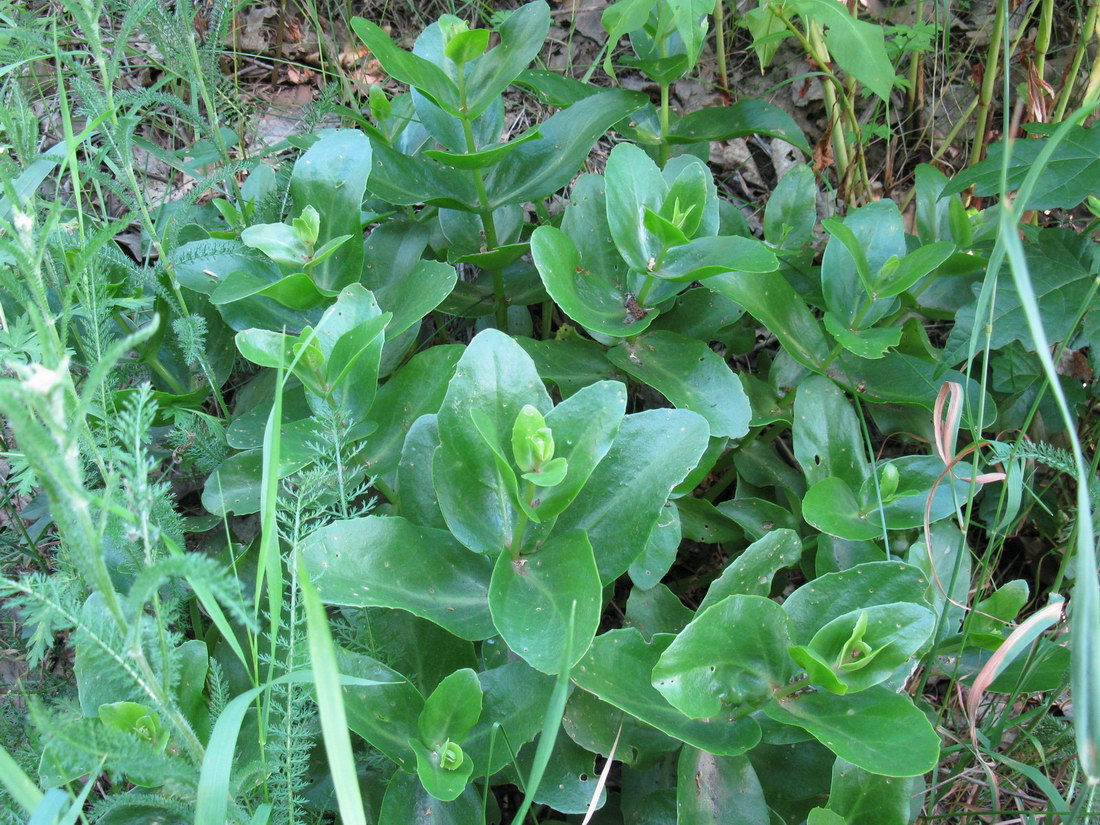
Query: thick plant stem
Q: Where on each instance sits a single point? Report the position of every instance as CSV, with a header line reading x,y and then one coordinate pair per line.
x,y
486,211
1088,31
914,98
663,149
1042,36
989,83
820,54
720,45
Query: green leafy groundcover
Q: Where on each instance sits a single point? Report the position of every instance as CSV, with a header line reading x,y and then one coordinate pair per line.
x,y
493,432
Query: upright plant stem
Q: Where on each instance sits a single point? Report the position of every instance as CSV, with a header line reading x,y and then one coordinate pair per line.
x,y
989,83
664,115
1042,36
1088,30
720,44
486,212
914,99
820,54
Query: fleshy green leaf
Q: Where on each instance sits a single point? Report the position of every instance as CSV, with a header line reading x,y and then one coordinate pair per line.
x,y
733,654
618,670
717,790
533,597
865,729
366,562
691,375
617,508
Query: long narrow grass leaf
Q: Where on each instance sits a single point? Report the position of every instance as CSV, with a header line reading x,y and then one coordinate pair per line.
x,y
1084,609
551,724
330,704
18,785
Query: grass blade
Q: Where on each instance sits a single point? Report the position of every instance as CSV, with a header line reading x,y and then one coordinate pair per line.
x,y
330,704
551,724
25,793
1085,605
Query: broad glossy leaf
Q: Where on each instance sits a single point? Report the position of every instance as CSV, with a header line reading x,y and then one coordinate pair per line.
x,y
540,167
832,507
660,550
384,714
866,343
865,798
482,158
718,790
332,177
770,299
521,39
408,68
445,771
731,655
421,650
405,180
826,434
570,364
818,602
704,257
691,375
757,516
794,775
494,378
656,610
407,803
618,669
514,697
751,573
917,264
554,88
633,183
744,118
416,492
297,291
570,781
535,599
365,562
452,710
899,378
894,633
234,487
916,476
416,294
618,507
703,522
877,234
1061,265
866,728
791,211
353,365
1068,177
595,725
584,427
589,297
823,816
277,241
585,222
856,45
414,390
